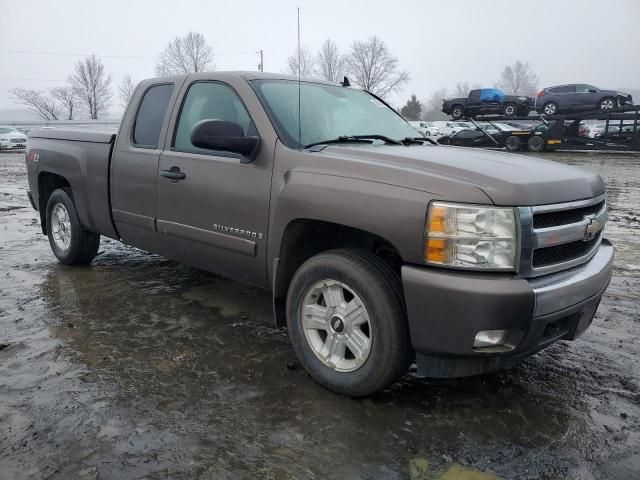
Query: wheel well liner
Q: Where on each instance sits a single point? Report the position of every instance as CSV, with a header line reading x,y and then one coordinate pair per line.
x,y
48,183
304,238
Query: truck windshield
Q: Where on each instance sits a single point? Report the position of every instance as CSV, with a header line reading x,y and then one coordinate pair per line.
x,y
327,112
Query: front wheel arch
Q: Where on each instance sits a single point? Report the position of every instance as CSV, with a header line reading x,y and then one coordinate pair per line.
x,y
304,238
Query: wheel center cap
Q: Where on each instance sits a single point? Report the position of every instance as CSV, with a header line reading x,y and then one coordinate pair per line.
x,y
337,324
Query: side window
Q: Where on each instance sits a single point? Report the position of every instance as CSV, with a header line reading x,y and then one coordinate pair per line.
x,y
584,88
210,101
151,113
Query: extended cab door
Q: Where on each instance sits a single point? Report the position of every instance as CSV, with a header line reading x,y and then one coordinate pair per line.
x,y
215,216
134,163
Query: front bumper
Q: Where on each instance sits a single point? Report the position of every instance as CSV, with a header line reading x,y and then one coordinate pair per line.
x,y
447,308
13,146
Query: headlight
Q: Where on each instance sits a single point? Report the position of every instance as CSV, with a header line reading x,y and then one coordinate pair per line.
x,y
467,236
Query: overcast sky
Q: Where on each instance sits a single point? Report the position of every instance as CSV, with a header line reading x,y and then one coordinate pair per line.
x,y
437,42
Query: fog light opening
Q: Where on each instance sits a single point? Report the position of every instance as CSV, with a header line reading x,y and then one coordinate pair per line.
x,y
490,338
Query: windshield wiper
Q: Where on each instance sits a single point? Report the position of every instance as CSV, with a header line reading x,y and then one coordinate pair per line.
x,y
355,139
417,141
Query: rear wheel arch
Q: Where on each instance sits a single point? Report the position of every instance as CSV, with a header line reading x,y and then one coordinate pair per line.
x,y
303,238
48,182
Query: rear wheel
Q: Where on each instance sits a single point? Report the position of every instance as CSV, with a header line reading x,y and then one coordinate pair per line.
x,y
69,241
512,143
457,112
510,110
536,143
347,322
608,104
550,108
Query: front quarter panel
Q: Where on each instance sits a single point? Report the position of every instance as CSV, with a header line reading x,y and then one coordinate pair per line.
x,y
397,214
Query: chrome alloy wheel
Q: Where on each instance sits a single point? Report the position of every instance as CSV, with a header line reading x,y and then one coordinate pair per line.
x,y
607,104
550,109
336,325
61,226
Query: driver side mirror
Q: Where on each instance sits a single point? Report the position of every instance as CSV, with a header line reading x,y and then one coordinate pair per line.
x,y
592,90
225,137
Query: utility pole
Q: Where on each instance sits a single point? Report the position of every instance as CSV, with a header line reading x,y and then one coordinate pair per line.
x,y
261,64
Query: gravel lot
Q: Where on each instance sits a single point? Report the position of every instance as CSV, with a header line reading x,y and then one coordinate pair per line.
x,y
138,367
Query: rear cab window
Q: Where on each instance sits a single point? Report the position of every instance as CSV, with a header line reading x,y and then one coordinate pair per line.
x,y
150,117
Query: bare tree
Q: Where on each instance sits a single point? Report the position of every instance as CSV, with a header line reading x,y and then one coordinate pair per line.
x,y
37,101
125,90
92,85
304,58
188,54
518,79
330,64
66,97
373,68
432,107
461,89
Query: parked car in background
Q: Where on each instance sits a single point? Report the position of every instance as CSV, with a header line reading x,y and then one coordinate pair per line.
x,y
432,129
447,128
425,128
487,101
579,96
12,139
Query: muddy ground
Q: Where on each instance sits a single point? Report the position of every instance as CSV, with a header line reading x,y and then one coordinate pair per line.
x,y
138,367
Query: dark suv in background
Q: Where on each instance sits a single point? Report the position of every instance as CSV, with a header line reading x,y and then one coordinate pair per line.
x,y
579,96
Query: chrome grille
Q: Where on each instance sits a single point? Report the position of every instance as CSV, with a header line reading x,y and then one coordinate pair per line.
x,y
560,236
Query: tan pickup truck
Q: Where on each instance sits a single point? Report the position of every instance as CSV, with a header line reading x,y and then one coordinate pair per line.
x,y
381,249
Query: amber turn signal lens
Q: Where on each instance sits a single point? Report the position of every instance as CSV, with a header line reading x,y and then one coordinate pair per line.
x,y
435,250
436,220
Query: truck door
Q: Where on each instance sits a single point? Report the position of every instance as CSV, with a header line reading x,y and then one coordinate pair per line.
x,y
134,163
215,215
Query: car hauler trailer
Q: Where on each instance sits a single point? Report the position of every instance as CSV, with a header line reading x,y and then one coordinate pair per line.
x,y
621,131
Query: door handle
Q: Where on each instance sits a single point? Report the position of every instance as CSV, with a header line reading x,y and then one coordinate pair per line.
x,y
174,174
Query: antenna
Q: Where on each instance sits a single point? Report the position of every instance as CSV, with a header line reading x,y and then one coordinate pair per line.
x,y
299,119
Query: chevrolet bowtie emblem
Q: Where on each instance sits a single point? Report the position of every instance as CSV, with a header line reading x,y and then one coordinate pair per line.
x,y
593,227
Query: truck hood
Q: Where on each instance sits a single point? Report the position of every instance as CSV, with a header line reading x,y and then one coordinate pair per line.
x,y
507,179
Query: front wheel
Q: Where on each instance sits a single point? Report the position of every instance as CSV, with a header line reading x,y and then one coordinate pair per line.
x,y
347,322
69,241
510,110
608,104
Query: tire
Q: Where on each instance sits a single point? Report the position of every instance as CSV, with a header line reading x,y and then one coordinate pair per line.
x,y
457,112
608,104
510,110
512,143
380,340
550,108
535,143
69,241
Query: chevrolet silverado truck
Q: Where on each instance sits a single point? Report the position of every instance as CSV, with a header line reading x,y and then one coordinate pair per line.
x,y
380,249
487,101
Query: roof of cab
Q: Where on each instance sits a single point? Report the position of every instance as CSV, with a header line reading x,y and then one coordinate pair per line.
x,y
246,75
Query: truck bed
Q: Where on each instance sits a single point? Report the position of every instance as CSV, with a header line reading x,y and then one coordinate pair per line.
x,y
93,135
82,157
